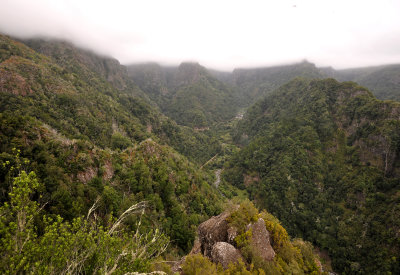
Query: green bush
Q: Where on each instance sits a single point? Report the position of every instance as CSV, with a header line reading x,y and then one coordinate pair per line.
x,y
82,245
119,141
246,214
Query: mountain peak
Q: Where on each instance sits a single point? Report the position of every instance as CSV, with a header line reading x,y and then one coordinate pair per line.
x,y
189,73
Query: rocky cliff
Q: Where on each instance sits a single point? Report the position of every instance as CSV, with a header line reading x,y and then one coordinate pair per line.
x,y
243,241
217,240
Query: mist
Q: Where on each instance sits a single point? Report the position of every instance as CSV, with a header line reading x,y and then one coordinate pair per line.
x,y
217,34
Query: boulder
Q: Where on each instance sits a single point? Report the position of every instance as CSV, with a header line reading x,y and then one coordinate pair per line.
x,y
212,231
225,253
260,240
232,234
196,249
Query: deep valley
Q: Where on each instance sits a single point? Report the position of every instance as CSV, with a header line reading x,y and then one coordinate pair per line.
x,y
106,168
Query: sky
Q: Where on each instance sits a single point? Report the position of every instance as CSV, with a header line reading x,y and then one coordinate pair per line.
x,y
218,34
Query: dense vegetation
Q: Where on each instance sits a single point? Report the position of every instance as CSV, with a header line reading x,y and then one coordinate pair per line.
x,y
33,242
67,95
189,94
254,84
292,257
79,131
323,157
382,81
86,139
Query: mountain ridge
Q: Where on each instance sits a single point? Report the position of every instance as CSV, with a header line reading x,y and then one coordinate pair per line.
x,y
188,93
323,157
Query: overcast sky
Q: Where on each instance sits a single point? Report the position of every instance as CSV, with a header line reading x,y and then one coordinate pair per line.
x,y
218,34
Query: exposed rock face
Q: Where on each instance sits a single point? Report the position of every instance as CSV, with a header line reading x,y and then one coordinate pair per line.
x,y
225,253
260,240
87,175
196,249
216,240
216,229
232,234
212,231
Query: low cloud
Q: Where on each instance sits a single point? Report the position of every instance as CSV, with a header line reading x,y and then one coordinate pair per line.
x,y
219,34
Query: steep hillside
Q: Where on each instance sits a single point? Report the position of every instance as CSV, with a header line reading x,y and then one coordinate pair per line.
x,y
85,139
324,157
254,84
188,94
89,105
89,182
382,81
153,79
81,61
78,105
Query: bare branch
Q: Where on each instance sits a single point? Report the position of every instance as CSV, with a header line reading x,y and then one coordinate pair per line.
x,y
133,209
93,208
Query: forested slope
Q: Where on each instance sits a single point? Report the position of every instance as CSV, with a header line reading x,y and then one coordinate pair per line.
x,y
383,81
66,92
254,84
323,157
86,139
189,94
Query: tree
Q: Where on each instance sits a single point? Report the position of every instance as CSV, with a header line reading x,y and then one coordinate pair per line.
x,y
80,246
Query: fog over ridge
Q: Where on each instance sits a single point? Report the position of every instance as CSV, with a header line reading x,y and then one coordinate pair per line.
x,y
221,34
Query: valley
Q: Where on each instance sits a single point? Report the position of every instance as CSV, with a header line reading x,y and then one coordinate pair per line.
x,y
312,155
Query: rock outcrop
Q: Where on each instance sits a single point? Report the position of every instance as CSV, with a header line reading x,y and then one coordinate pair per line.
x,y
225,253
196,249
216,240
260,240
212,231
232,234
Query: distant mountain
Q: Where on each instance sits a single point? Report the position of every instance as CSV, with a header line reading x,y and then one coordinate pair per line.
x,y
72,58
382,81
253,84
189,94
153,79
324,157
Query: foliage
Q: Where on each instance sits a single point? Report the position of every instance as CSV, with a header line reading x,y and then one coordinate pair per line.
x,y
197,264
81,245
188,94
176,191
69,91
292,257
278,234
323,157
246,214
87,137
382,81
254,84
119,141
